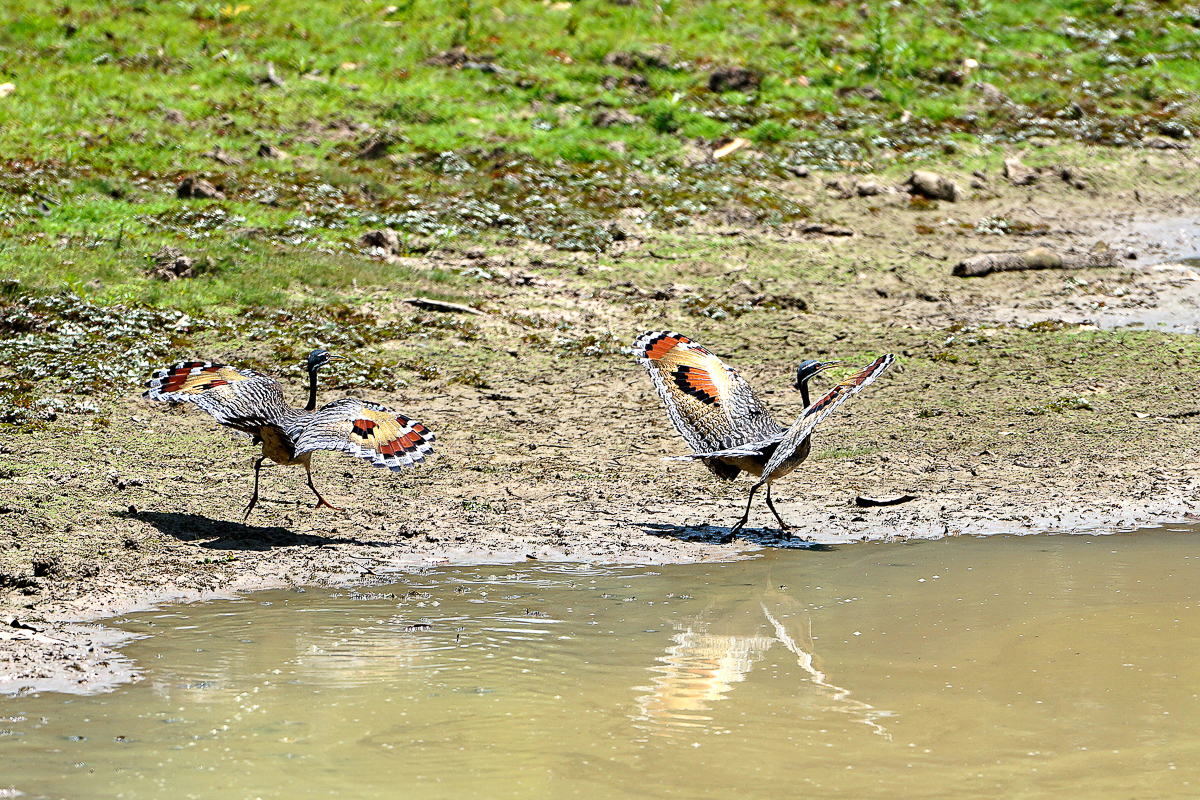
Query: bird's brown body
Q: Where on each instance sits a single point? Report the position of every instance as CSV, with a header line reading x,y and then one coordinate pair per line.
x,y
280,449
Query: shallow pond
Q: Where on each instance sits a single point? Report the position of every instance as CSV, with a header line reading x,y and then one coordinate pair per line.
x,y
1022,667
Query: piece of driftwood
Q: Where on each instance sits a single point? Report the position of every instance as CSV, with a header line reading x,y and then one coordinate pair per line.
x,y
1037,258
441,305
863,501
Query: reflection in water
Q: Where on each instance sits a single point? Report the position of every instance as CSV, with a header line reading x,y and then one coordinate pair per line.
x,y
702,666
842,702
696,671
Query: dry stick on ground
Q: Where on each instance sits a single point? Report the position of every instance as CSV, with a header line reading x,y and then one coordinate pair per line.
x,y
1037,258
441,305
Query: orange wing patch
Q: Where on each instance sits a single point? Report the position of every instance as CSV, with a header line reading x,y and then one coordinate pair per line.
x,y
698,383
664,343
191,377
391,436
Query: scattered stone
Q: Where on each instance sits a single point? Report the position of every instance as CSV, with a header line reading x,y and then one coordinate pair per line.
x,y
991,95
869,92
475,252
839,186
270,151
221,157
1073,177
868,189
621,231
1018,174
454,57
461,58
421,244
615,116
635,81
799,170
734,79
1174,129
933,186
385,239
174,117
374,148
197,188
170,264
617,146
1159,143
638,61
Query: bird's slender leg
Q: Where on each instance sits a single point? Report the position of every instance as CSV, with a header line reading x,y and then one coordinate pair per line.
x,y
254,497
321,501
741,523
782,525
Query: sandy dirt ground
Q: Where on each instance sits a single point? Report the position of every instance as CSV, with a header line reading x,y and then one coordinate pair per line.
x,y
1020,403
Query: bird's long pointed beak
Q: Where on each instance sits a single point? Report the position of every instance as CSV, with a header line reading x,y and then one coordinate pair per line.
x,y
821,367
337,358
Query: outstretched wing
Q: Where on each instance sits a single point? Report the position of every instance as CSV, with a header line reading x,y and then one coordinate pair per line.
x,y
803,427
241,399
364,430
710,404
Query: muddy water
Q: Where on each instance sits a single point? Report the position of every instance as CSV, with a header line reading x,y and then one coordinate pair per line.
x,y
965,668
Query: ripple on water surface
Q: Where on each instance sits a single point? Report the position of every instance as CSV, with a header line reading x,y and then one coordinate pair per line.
x,y
964,668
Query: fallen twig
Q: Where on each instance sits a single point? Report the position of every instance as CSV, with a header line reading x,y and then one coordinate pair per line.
x,y
827,230
874,502
441,305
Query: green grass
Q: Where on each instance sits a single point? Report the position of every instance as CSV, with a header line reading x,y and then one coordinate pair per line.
x,y
88,187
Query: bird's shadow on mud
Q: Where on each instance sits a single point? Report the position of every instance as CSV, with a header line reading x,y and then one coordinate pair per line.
x,y
219,534
716,534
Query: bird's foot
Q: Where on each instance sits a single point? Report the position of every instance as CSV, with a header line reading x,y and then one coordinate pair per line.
x,y
733,532
321,501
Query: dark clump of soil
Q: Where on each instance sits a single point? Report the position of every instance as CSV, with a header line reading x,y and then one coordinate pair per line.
x,y
734,79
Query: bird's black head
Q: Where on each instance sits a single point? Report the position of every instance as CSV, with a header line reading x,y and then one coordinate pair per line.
x,y
806,371
319,358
